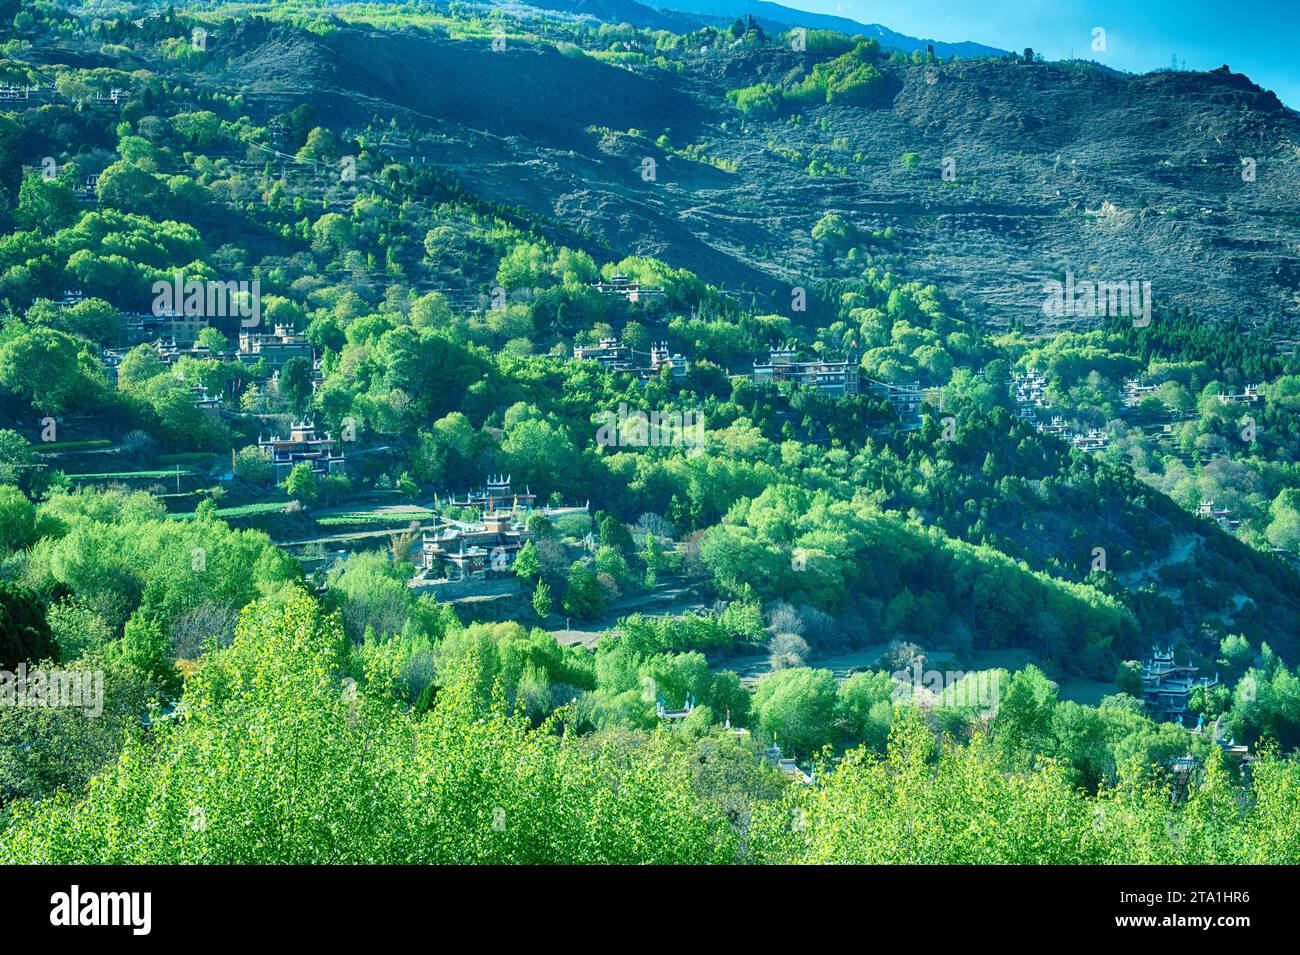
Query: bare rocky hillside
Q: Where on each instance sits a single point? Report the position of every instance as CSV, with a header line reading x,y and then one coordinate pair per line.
x,y
1054,167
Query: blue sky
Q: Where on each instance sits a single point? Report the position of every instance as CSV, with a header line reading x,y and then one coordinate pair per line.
x,y
1260,38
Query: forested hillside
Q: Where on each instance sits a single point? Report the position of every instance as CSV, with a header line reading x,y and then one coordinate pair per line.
x,y
488,525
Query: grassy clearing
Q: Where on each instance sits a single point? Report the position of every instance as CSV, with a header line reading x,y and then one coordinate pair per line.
x,y
156,474
342,520
243,510
44,447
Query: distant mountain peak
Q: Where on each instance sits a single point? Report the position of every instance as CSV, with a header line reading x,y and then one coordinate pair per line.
x,y
691,14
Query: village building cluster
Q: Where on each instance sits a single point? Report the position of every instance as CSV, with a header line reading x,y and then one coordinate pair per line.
x,y
1094,439
610,353
1029,394
906,400
1135,391
176,335
832,377
31,95
475,550
177,329
1029,391
841,378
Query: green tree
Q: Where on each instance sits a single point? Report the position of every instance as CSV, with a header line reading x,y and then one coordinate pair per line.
x,y
253,465
47,749
25,637
296,384
126,186
528,564
1023,725
214,341
41,365
614,533
17,519
796,707
341,775
865,709
653,557
582,595
139,365
1284,525
95,319
331,233
542,600
46,205
301,483
1236,652
16,457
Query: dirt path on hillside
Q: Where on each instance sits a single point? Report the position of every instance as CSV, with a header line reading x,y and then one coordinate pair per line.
x,y
1182,549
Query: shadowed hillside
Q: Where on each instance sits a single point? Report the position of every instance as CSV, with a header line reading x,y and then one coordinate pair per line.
x,y
1054,167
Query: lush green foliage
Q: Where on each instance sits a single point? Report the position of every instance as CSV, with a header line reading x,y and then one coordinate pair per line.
x,y
247,721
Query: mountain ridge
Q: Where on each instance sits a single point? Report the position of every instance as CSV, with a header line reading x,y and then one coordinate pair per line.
x,y
1059,157
773,17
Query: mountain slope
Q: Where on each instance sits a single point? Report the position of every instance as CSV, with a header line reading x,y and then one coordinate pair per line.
x,y
1058,167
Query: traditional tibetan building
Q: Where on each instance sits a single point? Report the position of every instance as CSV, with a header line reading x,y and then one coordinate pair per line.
x,y
610,352
477,549
276,348
1135,391
1030,389
496,494
1250,395
661,358
615,356
623,286
906,400
833,378
182,330
203,400
787,765
1167,688
468,550
302,447
1093,440
168,352
1220,515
